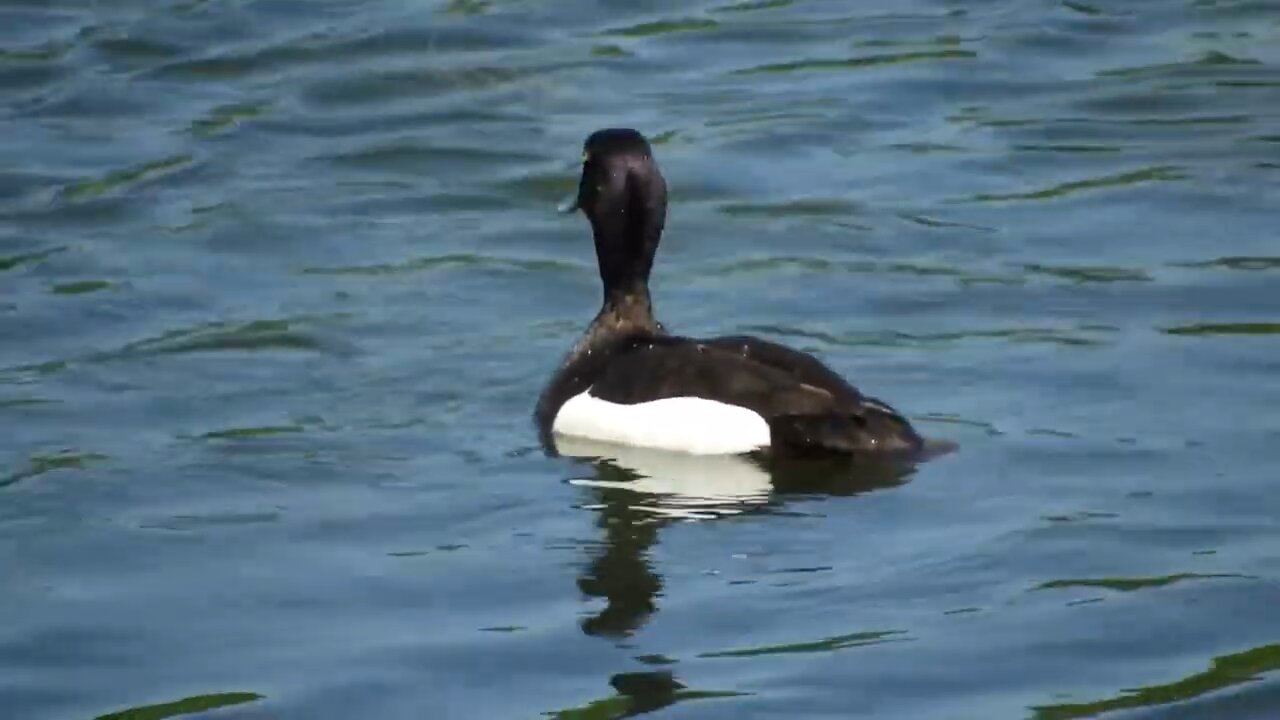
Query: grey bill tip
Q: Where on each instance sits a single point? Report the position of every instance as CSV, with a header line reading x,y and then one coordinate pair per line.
x,y
568,205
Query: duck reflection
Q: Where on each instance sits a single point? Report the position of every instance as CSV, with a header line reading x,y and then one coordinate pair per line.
x,y
638,491
639,693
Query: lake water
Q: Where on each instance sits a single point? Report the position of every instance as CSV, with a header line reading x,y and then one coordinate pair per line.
x,y
280,282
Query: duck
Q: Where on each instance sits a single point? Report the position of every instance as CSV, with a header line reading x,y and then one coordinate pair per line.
x,y
629,381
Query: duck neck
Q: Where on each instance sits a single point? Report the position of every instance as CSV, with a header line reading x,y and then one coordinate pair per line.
x,y
624,314
627,229
629,307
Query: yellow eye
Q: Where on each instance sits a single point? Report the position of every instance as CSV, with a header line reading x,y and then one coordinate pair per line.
x,y
585,157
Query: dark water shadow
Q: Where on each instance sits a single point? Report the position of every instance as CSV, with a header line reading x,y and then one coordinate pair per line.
x,y
639,693
637,492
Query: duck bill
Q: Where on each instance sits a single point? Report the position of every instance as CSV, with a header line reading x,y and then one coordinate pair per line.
x,y
568,205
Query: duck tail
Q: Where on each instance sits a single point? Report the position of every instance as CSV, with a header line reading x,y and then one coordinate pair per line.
x,y
876,429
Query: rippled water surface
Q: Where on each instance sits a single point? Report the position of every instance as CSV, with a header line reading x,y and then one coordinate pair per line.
x,y
280,282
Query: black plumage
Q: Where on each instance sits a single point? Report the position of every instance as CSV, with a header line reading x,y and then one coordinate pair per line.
x,y
627,357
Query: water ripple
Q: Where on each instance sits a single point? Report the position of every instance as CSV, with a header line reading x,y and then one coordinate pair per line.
x,y
664,27
214,336
1134,177
120,180
1225,671
800,207
837,642
1090,274
372,87
224,118
1239,328
455,260
412,158
220,336
752,6
856,63
1132,584
321,50
185,706
1212,61
1078,337
15,261
1236,262
788,263
39,465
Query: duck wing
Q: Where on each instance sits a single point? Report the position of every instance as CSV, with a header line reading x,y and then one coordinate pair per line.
x,y
807,406
799,365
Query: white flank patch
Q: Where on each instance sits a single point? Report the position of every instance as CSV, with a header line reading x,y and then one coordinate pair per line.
x,y
683,424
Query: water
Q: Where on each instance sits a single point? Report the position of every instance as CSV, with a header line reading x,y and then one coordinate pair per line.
x,y
280,282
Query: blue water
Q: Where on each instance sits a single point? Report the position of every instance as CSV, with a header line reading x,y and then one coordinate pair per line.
x,y
280,283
